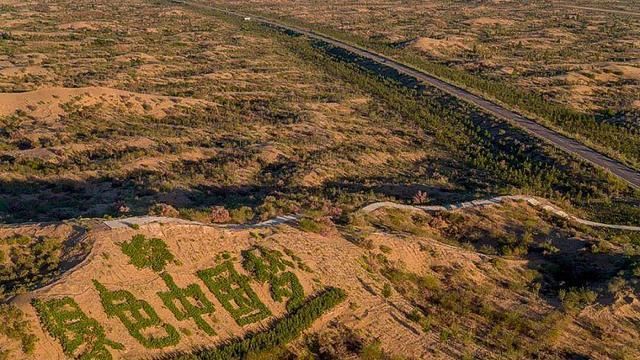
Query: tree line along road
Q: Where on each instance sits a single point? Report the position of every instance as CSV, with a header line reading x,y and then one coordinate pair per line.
x,y
631,176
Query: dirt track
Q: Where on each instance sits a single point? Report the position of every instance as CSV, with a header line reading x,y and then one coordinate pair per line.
x,y
631,176
543,204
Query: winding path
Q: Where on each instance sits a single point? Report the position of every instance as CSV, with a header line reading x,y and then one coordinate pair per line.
x,y
285,219
571,146
497,200
143,220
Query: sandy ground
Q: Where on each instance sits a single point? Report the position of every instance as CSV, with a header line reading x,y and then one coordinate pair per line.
x,y
334,261
440,47
47,103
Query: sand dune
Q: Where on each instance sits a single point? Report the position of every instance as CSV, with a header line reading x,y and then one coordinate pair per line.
x,y
47,103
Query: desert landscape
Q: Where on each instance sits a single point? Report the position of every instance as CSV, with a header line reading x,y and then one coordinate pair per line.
x,y
269,180
577,54
388,279
572,65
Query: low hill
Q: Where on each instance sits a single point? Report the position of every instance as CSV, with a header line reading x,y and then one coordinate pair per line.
x,y
492,282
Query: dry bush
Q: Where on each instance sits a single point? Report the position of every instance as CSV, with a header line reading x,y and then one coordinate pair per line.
x,y
220,215
163,210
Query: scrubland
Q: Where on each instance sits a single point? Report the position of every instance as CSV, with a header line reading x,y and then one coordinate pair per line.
x,y
153,107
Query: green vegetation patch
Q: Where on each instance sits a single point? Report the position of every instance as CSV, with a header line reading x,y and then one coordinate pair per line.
x,y
574,299
187,303
13,326
137,315
270,266
234,293
281,332
81,337
310,225
26,262
147,253
516,332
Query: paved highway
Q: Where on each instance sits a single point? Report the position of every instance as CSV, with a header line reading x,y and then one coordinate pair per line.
x,y
569,145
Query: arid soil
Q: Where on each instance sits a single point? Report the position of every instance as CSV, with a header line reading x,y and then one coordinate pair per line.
x,y
114,109
194,247
571,54
385,252
174,112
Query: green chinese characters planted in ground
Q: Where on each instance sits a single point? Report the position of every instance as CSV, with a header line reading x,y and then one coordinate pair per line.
x,y
234,293
83,337
192,303
270,266
138,317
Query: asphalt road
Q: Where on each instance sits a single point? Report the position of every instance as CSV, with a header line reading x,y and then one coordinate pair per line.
x,y
552,137
612,11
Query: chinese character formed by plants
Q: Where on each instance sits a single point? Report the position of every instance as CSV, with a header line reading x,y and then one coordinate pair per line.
x,y
269,266
137,315
81,336
150,253
234,293
192,303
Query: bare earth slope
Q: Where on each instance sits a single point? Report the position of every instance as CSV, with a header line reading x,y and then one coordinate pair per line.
x,y
420,286
332,260
151,151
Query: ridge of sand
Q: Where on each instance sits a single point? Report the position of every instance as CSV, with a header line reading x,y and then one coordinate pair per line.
x,y
47,103
333,260
440,46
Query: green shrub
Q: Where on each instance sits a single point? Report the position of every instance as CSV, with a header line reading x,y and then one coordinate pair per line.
x,y
616,285
402,278
402,221
576,299
548,248
200,215
147,253
310,225
81,337
241,215
234,293
415,315
386,290
272,207
372,351
137,315
269,266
